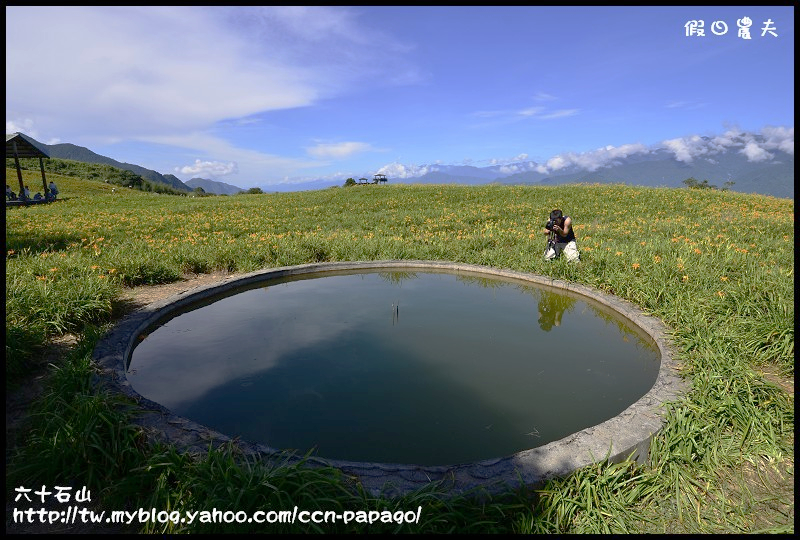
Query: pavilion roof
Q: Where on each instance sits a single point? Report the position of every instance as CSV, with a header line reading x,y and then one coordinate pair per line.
x,y
23,147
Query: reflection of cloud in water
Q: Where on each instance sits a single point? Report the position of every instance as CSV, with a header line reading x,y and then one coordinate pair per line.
x,y
481,338
247,337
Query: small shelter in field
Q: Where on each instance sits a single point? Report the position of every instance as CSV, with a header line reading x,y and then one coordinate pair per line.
x,y
20,146
378,178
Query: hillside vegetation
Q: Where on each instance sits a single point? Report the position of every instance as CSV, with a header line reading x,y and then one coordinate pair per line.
x,y
716,266
88,171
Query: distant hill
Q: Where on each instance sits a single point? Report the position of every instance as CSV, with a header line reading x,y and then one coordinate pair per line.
x,y
84,155
655,168
774,177
212,186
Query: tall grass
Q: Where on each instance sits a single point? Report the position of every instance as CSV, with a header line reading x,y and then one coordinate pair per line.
x,y
716,267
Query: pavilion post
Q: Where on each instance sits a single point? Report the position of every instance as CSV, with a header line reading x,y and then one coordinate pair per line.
x,y
19,171
44,180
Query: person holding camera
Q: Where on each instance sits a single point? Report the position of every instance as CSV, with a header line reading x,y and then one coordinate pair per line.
x,y
560,237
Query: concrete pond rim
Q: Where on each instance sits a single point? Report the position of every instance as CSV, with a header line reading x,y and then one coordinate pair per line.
x,y
625,436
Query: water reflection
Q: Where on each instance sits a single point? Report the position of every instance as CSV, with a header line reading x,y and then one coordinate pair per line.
x,y
397,277
551,309
468,375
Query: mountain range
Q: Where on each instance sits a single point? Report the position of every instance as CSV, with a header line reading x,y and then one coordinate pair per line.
x,y
722,167
659,168
740,165
84,155
213,186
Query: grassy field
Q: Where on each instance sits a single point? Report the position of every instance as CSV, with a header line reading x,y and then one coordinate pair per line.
x,y
717,267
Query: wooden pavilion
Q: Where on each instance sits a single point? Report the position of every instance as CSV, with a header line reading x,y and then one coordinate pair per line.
x,y
20,146
378,178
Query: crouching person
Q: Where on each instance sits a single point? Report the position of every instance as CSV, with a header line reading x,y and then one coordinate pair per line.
x,y
560,238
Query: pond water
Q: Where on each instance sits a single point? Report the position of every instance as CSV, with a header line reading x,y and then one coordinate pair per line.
x,y
426,368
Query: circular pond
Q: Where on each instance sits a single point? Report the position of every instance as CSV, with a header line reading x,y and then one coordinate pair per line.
x,y
403,372
428,368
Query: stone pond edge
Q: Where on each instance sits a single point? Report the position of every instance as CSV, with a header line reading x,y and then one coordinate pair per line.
x,y
624,436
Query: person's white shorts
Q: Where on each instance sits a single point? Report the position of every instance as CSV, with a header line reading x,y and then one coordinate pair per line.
x,y
570,250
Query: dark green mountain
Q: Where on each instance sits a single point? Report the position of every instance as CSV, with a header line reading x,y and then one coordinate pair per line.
x,y
212,186
84,155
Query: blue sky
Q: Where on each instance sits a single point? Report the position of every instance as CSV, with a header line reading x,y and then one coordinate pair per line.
x,y
261,96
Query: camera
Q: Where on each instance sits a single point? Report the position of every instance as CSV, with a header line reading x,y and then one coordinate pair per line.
x,y
555,218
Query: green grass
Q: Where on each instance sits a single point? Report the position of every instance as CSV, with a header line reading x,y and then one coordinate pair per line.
x,y
716,267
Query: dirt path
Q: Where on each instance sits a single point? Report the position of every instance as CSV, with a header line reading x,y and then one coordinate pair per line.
x,y
147,294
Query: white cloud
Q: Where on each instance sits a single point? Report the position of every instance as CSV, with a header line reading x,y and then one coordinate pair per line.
x,y
210,146
543,96
686,149
560,114
150,71
398,170
730,138
755,152
337,150
591,161
134,77
544,114
531,111
503,161
558,162
208,168
513,168
780,138
534,113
